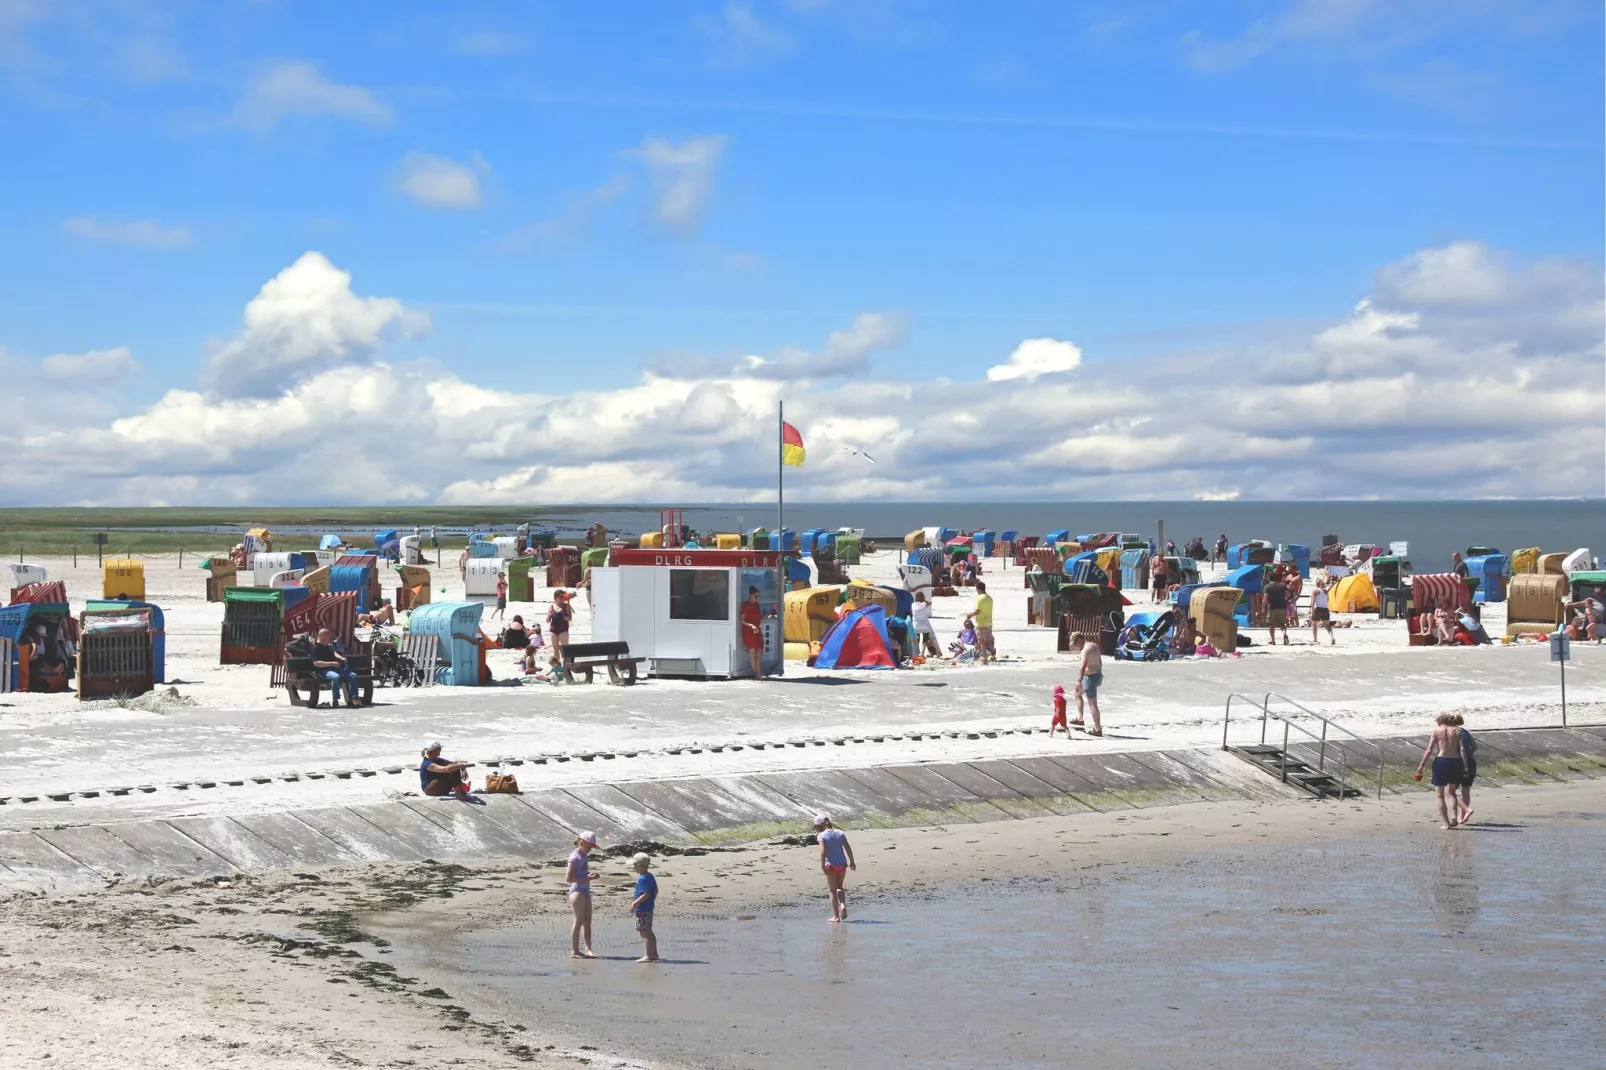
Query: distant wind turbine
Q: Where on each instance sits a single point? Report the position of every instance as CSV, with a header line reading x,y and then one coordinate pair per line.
x,y
857,453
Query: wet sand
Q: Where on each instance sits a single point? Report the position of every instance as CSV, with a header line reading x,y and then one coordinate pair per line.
x,y
1312,936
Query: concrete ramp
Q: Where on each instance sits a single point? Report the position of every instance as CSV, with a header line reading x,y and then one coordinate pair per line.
x,y
713,810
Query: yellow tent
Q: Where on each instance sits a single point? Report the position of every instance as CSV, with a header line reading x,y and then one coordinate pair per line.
x,y
123,577
652,540
914,540
1109,558
1550,564
1354,594
1525,561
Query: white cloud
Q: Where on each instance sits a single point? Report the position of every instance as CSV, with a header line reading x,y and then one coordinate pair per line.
x,y
575,218
1035,357
741,38
296,88
95,365
136,232
682,179
439,181
304,320
491,43
1443,398
845,352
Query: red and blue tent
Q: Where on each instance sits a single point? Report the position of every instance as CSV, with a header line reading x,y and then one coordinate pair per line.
x,y
858,641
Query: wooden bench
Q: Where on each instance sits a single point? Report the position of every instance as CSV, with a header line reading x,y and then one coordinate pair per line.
x,y
303,683
586,657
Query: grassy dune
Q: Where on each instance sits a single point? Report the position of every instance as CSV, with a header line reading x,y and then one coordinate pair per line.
x,y
37,532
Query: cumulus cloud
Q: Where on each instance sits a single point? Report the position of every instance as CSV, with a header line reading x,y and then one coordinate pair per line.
x,y
96,364
682,179
297,88
439,181
845,352
137,232
303,320
1441,398
1035,357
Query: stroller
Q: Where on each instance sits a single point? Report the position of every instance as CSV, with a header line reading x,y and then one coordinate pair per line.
x,y
1147,640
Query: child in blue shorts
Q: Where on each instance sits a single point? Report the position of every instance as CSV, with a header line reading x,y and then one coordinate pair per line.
x,y
642,905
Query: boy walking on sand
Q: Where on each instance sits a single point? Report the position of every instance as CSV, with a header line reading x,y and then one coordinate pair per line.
x,y
642,905
501,595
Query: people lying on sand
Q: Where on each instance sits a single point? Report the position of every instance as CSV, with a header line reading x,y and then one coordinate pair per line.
x,y
439,776
836,858
1448,751
386,613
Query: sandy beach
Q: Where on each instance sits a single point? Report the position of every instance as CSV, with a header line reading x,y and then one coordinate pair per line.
x,y
228,729
367,967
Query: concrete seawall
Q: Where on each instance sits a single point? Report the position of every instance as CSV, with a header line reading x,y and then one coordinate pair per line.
x,y
723,809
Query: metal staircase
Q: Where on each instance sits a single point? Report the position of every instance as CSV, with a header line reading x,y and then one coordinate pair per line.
x,y
1331,776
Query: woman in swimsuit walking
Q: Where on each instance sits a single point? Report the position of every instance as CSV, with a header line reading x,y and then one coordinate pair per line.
x,y
1447,747
836,858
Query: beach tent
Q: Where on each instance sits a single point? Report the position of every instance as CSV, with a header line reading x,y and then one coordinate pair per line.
x,y
331,541
257,541
415,587
858,641
797,573
1436,589
1550,564
115,652
22,575
18,623
1247,578
1211,609
456,627
1577,561
1109,559
1255,552
1533,603
1057,535
727,541
1354,594
251,620
158,625
914,540
123,577
757,539
1134,569
849,549
806,615
785,539
52,591
1489,569
1005,546
1525,561
507,546
1297,555
864,593
387,543
1582,584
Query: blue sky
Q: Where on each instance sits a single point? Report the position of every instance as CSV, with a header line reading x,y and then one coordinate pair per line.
x,y
572,192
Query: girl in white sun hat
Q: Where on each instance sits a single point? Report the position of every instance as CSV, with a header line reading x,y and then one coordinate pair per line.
x,y
579,877
836,858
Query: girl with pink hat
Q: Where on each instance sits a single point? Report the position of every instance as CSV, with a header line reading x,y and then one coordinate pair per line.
x,y
579,878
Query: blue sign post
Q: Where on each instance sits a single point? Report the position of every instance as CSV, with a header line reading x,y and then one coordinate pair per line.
x,y
1561,652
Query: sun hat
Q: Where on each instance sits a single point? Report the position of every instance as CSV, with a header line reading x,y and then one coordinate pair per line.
x,y
434,746
588,838
822,819
1059,690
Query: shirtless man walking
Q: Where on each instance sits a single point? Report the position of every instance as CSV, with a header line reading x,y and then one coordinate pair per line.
x,y
1088,680
1447,747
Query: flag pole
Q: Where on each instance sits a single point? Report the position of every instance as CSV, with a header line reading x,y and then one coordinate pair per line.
x,y
780,526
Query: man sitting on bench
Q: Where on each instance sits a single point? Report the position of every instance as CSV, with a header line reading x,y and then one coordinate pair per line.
x,y
330,664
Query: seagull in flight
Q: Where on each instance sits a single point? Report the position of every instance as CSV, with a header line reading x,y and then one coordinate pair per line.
x,y
857,453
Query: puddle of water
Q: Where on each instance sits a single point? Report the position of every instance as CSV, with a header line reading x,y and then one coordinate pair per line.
x,y
1478,949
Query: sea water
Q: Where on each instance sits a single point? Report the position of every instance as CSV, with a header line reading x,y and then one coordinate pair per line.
x,y
1431,529
1481,948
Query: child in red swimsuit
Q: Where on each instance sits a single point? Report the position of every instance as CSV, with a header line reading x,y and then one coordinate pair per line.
x,y
1059,712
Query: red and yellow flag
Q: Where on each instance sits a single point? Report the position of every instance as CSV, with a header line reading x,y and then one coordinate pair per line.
x,y
791,445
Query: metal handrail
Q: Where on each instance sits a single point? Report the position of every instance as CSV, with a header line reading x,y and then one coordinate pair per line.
x,y
1321,761
1265,711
